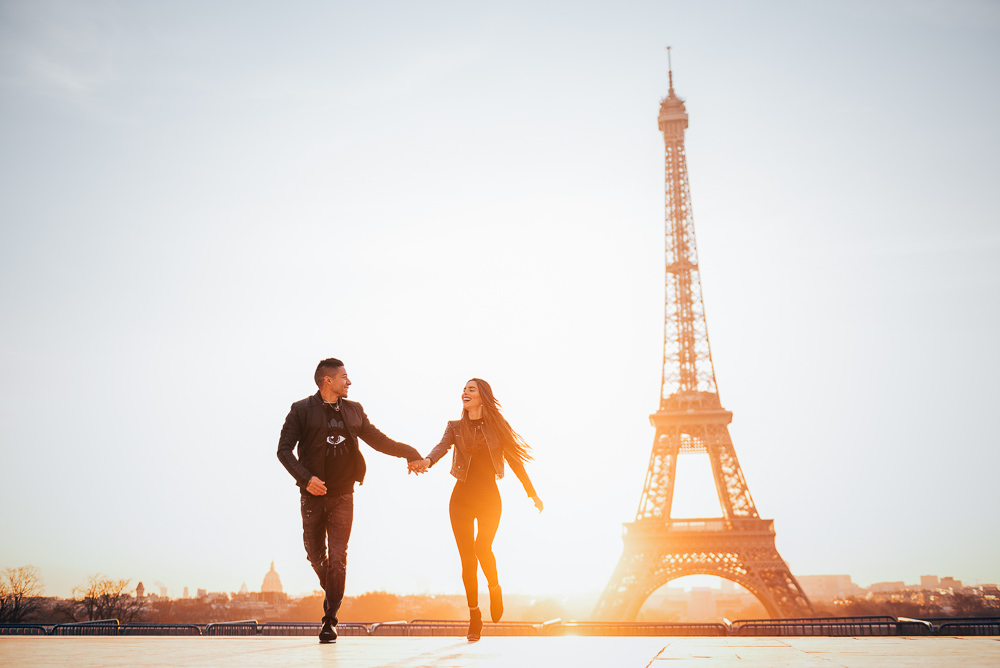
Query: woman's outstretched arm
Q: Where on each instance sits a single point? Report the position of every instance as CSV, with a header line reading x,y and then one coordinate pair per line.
x,y
443,446
517,466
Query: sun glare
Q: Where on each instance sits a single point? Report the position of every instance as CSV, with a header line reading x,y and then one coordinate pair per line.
x,y
700,598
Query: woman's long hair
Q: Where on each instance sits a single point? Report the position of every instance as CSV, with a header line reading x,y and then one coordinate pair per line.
x,y
513,445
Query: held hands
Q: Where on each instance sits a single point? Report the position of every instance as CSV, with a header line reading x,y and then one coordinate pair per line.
x,y
538,502
316,487
418,466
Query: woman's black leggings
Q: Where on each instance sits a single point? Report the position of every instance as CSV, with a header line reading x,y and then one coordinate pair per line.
x,y
468,505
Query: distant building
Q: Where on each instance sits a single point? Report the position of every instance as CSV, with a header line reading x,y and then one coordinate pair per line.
x,y
140,591
950,583
243,590
828,587
271,590
887,586
272,583
701,604
929,582
215,598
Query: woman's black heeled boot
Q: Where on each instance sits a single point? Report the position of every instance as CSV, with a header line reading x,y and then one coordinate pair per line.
x,y
475,624
496,603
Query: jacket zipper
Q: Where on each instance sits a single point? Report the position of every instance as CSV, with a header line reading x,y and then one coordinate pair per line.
x,y
490,450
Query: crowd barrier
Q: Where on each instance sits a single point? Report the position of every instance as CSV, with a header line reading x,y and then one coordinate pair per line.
x,y
806,626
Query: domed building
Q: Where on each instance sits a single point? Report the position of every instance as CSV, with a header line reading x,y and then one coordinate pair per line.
x,y
272,582
271,590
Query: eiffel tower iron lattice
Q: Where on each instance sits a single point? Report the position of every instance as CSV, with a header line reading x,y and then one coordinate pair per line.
x,y
739,546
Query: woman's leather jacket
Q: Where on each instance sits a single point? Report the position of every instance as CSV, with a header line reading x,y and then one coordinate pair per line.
x,y
463,455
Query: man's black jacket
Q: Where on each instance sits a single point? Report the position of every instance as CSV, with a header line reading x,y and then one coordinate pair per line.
x,y
306,425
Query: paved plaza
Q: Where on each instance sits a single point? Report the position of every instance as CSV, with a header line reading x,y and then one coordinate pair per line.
x,y
493,652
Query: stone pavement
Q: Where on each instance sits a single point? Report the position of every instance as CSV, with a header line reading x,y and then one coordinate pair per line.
x,y
495,652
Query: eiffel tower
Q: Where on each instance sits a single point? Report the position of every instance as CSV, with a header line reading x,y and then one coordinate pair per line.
x,y
739,546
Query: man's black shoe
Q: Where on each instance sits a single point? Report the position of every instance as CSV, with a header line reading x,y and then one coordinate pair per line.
x,y
328,633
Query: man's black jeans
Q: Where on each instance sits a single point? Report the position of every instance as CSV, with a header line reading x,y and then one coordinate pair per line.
x,y
328,519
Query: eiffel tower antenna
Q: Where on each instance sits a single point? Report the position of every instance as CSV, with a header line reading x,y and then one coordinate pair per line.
x,y
670,70
739,545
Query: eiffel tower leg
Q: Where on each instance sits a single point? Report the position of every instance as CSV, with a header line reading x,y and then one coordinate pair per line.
x,y
617,593
734,495
658,490
741,551
788,598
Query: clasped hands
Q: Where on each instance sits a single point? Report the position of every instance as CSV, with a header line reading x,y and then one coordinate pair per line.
x,y
418,466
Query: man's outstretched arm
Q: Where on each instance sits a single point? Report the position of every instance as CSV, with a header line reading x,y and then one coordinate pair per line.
x,y
370,434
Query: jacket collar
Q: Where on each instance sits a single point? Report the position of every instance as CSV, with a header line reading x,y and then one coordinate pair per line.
x,y
317,400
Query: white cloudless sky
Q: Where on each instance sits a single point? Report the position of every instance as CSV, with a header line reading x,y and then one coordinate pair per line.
x,y
198,201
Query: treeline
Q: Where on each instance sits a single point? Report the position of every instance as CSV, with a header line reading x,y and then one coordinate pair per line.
x,y
20,592
917,605
368,607
21,601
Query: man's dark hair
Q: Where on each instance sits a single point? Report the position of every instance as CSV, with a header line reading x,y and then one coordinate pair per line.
x,y
326,367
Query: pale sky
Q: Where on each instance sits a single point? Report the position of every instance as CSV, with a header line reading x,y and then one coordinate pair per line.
x,y
201,200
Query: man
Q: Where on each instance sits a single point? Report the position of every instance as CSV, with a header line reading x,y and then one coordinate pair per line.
x,y
326,428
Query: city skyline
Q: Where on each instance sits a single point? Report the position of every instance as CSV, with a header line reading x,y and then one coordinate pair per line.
x,y
843,584
481,190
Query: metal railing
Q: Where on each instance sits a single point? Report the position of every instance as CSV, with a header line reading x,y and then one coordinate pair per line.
x,y
157,629
636,629
309,629
101,627
879,625
807,626
23,630
913,627
453,627
291,628
246,627
965,626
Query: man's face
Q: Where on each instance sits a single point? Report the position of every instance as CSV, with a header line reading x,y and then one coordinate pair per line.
x,y
337,382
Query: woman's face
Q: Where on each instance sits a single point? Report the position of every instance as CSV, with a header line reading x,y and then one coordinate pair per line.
x,y
470,396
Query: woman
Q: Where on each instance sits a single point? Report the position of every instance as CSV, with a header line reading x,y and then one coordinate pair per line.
x,y
483,439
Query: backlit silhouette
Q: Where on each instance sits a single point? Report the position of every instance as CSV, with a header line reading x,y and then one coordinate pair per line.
x,y
483,441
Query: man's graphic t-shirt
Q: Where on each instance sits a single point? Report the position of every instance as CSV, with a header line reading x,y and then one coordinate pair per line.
x,y
339,477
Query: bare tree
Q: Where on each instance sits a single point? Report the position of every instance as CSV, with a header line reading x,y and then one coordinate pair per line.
x,y
19,591
104,598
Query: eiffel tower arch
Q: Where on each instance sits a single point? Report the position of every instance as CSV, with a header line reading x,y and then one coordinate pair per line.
x,y
738,546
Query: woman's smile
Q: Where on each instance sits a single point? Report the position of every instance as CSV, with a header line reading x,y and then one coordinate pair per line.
x,y
470,396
